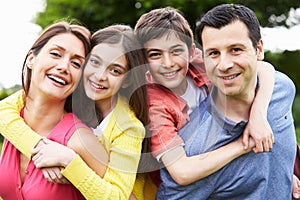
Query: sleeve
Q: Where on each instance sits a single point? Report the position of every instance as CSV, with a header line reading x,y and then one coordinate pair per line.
x,y
13,127
164,134
120,176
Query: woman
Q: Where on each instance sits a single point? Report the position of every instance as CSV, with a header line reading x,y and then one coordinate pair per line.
x,y
51,72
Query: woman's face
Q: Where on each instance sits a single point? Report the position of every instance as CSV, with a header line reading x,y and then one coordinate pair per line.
x,y
57,68
105,72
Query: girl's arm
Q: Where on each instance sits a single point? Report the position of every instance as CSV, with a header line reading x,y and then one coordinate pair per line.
x,y
120,176
185,170
13,127
258,127
15,130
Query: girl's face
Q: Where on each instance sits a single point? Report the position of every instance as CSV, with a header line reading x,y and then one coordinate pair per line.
x,y
105,72
168,58
57,69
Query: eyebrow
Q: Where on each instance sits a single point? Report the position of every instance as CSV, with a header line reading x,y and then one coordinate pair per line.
x,y
76,55
114,64
156,49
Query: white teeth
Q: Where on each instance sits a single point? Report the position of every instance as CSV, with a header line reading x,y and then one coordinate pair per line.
x,y
169,74
57,79
229,77
97,86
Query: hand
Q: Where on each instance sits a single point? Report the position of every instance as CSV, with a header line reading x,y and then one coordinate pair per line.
x,y
132,197
52,154
259,129
296,187
53,174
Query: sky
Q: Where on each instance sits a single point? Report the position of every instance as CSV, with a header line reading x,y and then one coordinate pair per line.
x,y
18,33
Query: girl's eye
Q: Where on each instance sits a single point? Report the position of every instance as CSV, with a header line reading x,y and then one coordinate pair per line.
x,y
116,71
94,62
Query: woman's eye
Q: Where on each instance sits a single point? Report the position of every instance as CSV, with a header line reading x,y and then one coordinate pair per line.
x,y
54,53
76,64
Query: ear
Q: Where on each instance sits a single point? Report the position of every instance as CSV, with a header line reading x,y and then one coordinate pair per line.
x,y
30,60
192,51
260,50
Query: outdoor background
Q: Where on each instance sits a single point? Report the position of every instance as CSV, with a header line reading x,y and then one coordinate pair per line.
x,y
280,15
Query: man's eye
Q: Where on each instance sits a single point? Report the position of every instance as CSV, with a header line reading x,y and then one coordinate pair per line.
x,y
213,53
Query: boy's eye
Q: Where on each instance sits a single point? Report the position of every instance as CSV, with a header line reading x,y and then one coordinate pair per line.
x,y
154,55
177,51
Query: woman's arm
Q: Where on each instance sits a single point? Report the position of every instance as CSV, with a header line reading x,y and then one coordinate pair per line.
x,y
185,170
118,181
13,127
258,127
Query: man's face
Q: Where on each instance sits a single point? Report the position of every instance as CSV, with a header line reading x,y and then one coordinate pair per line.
x,y
230,58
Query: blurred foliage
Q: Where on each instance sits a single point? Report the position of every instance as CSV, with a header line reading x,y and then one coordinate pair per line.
x,y
5,92
96,14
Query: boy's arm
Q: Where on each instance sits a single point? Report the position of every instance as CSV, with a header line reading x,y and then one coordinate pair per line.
x,y
186,170
13,127
258,127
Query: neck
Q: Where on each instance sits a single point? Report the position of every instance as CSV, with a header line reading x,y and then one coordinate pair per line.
x,y
237,107
107,105
41,115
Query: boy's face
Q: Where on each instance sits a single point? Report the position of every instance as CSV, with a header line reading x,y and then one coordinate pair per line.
x,y
168,58
230,58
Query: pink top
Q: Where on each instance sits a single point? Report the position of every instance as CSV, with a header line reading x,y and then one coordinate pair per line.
x,y
168,112
35,186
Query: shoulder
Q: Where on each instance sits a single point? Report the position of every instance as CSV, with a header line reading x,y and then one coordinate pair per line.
x,y
124,118
284,86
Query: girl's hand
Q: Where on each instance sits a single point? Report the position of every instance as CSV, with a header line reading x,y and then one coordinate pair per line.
x,y
53,174
52,154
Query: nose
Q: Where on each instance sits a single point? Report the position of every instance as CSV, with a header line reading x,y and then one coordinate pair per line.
x,y
63,65
100,74
225,63
167,60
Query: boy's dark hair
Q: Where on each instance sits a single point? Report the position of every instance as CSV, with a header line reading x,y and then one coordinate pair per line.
x,y
225,14
161,22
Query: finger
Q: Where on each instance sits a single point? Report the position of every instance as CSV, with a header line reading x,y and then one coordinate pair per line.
x,y
258,147
245,141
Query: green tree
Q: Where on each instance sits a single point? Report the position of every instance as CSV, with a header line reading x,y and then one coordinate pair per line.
x,y
100,13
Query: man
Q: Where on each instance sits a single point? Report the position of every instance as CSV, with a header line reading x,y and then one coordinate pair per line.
x,y
232,46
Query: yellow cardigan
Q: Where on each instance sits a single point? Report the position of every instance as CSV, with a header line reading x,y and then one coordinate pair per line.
x,y
122,139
